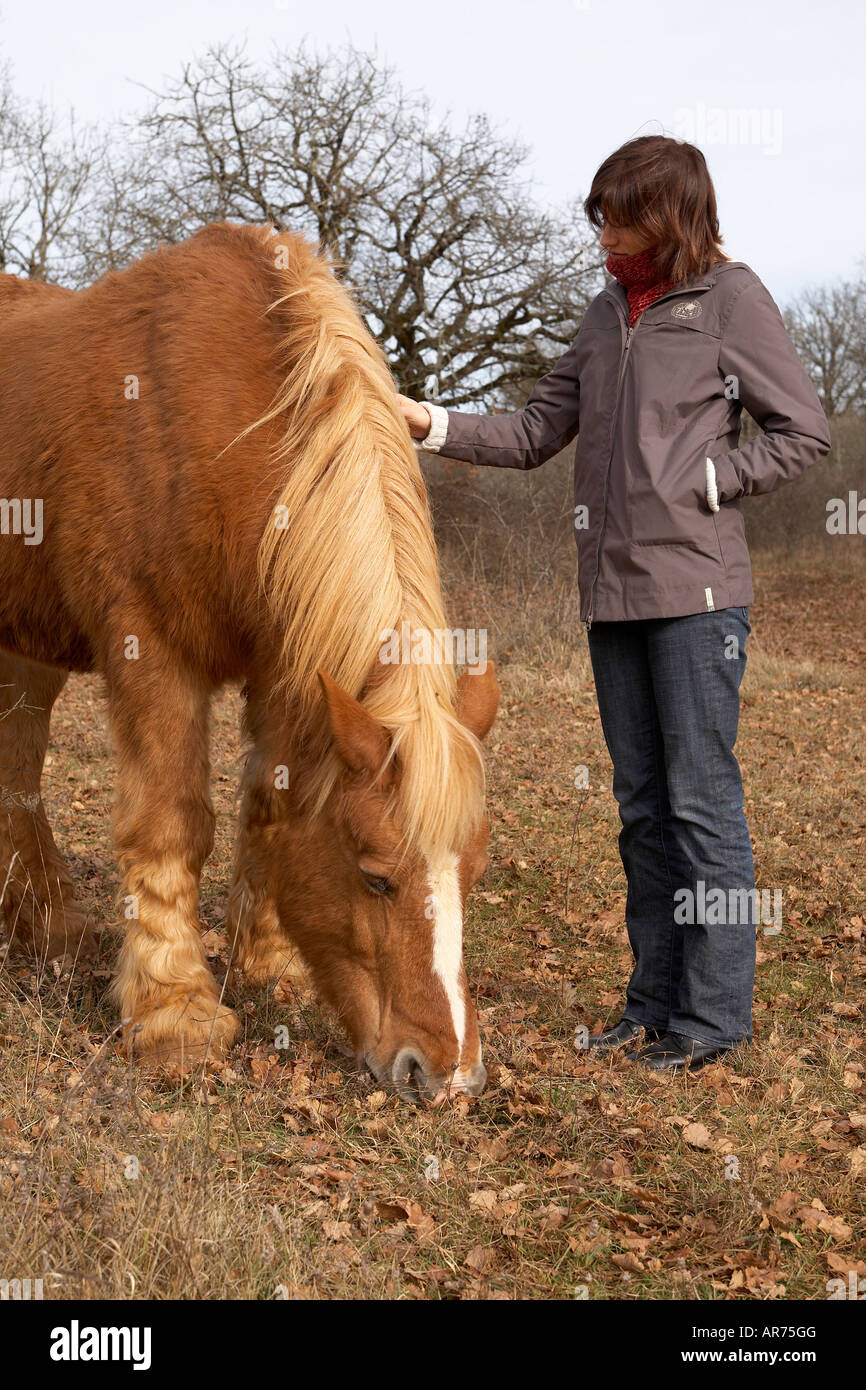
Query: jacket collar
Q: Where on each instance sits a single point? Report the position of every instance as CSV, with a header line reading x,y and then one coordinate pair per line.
x,y
696,285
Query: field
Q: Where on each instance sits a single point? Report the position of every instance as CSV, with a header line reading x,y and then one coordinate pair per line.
x,y
287,1173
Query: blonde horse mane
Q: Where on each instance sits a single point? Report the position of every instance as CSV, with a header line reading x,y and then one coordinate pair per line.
x,y
350,552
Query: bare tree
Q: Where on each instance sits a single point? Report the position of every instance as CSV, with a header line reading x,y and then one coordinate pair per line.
x,y
46,176
828,327
469,284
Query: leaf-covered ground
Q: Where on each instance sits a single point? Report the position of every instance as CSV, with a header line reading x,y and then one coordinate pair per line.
x,y
286,1173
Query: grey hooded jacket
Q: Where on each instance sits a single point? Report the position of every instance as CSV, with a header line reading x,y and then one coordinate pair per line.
x,y
658,474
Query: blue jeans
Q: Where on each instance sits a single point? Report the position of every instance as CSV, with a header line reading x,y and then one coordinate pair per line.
x,y
668,695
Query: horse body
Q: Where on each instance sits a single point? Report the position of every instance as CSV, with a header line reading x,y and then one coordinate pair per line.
x,y
229,494
115,404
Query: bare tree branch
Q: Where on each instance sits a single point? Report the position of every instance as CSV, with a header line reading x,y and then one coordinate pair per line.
x,y
470,286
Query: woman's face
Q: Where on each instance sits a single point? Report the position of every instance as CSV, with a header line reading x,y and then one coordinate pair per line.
x,y
623,241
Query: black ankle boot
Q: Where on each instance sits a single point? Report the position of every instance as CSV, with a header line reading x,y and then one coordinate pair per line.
x,y
625,1031
676,1052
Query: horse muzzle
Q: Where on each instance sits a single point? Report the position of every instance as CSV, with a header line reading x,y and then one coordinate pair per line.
x,y
413,1079
410,1071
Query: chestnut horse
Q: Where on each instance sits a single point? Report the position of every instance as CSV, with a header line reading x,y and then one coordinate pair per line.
x,y
226,491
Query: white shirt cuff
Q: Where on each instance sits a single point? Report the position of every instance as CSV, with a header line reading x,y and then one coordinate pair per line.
x,y
712,486
435,436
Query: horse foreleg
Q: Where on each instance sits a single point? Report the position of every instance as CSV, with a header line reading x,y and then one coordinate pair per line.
x,y
37,901
261,948
164,828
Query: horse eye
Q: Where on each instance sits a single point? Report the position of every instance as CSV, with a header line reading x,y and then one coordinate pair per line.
x,y
382,886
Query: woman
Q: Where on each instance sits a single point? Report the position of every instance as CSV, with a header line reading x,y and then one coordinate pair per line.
x,y
666,358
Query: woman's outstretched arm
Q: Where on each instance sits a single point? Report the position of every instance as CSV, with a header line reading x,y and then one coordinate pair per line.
x,y
522,439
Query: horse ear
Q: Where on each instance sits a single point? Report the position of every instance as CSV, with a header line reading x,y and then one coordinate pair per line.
x,y
477,700
361,741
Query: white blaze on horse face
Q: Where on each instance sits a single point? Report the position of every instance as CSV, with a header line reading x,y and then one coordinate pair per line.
x,y
446,911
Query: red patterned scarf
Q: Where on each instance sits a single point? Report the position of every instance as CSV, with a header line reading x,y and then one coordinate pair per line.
x,y
639,278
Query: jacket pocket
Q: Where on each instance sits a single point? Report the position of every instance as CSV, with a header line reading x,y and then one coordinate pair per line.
x,y
709,453
667,503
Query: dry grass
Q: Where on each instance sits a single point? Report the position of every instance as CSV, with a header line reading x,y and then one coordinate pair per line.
x,y
286,1173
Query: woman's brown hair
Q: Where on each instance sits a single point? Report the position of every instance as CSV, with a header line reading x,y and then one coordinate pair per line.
x,y
662,188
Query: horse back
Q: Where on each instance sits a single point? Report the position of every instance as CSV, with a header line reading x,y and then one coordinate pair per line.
x,y
119,406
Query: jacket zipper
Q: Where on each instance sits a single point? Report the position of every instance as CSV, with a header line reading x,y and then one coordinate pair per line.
x,y
622,366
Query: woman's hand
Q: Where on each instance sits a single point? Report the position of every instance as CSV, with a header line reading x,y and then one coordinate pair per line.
x,y
417,416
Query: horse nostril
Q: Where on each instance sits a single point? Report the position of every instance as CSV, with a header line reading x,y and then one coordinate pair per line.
x,y
408,1070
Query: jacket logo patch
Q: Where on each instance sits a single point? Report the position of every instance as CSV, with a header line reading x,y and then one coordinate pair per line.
x,y
690,310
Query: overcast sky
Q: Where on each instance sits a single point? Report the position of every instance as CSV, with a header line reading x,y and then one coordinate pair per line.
x,y
572,78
